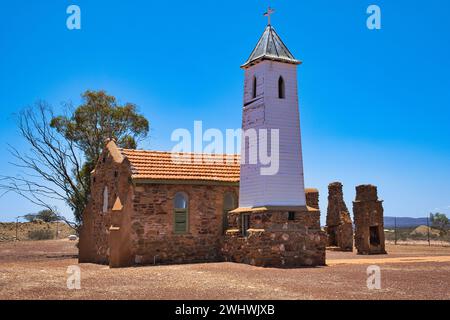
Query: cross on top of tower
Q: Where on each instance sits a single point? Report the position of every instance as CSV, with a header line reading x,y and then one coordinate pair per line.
x,y
270,47
269,12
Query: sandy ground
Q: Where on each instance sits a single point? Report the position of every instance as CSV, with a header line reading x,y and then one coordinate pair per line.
x,y
37,270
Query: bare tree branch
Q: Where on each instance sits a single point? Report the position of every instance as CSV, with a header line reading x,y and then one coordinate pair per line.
x,y
51,168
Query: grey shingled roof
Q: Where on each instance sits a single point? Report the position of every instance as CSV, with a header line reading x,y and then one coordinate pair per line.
x,y
270,47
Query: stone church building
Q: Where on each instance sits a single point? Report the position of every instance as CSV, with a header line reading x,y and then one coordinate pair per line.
x,y
146,208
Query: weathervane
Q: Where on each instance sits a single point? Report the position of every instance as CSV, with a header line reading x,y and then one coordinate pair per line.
x,y
269,12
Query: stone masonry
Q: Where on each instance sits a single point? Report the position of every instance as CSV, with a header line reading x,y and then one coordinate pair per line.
x,y
152,222
276,238
312,198
339,224
95,234
369,224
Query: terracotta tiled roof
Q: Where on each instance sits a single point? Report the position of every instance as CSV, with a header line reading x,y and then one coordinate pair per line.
x,y
156,165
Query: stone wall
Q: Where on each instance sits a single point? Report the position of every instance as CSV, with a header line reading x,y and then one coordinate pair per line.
x,y
369,223
113,173
339,224
152,223
274,240
312,198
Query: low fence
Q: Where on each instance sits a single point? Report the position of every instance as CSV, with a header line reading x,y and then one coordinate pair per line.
x,y
420,231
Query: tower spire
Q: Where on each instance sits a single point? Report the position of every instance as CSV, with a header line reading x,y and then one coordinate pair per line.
x,y
270,47
267,14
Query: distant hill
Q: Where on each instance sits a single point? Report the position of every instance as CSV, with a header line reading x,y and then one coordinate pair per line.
x,y
403,222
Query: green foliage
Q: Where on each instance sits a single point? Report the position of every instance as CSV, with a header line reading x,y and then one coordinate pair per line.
x,y
439,221
98,119
42,234
29,217
46,216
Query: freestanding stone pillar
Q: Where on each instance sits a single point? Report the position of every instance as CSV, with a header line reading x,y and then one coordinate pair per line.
x,y
369,224
339,224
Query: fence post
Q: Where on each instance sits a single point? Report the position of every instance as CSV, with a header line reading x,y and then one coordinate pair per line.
x,y
395,230
428,225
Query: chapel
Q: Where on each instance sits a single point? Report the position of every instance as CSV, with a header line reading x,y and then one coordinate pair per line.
x,y
152,207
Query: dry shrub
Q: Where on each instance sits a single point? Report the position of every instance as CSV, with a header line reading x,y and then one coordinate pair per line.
x,y
42,234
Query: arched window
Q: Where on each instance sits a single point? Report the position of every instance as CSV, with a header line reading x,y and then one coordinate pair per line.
x,y
105,199
254,87
229,203
281,88
181,221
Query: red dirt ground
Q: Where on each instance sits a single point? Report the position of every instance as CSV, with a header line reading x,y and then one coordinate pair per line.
x,y
37,270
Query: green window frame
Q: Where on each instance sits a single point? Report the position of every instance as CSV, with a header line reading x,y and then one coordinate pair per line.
x,y
181,213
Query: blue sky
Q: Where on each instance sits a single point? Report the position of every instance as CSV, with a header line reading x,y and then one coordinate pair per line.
x,y
374,104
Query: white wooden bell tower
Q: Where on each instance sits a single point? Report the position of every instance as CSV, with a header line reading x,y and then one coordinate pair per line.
x,y
271,102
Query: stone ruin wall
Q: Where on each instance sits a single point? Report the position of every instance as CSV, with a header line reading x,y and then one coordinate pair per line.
x,y
369,221
339,224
